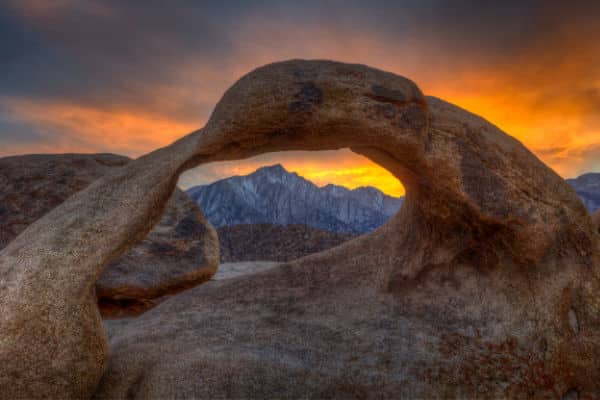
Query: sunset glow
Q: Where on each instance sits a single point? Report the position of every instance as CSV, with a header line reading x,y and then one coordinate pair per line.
x,y
341,167
537,81
78,129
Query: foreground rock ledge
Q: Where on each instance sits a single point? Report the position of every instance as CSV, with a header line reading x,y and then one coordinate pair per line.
x,y
484,285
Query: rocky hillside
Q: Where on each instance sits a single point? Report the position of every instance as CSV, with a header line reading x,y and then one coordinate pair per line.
x,y
267,242
272,195
587,187
180,252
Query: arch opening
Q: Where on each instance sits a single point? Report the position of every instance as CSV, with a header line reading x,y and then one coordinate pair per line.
x,y
285,205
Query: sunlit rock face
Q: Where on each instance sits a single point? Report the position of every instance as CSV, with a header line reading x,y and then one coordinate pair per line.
x,y
180,252
484,285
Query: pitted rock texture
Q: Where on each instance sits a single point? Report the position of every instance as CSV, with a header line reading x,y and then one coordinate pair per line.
x,y
179,253
469,291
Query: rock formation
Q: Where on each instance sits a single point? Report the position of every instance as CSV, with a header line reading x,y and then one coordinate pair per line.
x,y
32,185
484,285
180,252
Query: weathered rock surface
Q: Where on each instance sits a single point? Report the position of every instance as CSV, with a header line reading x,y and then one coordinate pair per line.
x,y
267,242
180,252
484,285
227,270
32,185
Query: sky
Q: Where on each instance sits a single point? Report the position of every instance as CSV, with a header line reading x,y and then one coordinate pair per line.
x,y
128,77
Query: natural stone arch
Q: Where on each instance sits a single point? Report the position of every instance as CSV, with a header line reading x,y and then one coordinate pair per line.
x,y
479,207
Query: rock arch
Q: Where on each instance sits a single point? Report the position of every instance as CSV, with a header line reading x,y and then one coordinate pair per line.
x,y
489,239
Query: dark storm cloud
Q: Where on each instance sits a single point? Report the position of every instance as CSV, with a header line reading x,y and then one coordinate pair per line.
x,y
93,51
110,54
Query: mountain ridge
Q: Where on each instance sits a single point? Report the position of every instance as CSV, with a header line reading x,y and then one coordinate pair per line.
x,y
274,195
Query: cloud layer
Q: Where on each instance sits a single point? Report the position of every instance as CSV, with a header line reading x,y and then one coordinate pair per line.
x,y
105,76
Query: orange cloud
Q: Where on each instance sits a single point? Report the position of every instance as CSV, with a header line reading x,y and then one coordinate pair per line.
x,y
550,100
346,169
554,109
66,127
75,128
546,94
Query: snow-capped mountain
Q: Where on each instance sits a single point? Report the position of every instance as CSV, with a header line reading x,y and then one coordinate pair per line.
x,y
275,196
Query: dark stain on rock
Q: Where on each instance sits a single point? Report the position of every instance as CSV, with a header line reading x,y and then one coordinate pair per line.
x,y
288,134
305,74
383,94
161,249
386,110
307,98
188,227
112,161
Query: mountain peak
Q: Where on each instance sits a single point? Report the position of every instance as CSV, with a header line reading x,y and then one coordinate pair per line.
x,y
273,169
273,195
